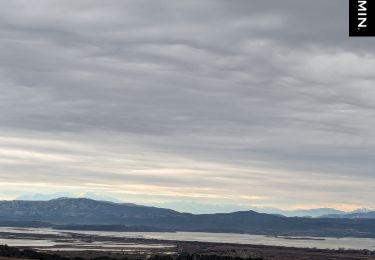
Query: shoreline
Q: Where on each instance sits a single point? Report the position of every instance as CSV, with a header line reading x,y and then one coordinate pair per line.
x,y
220,249
89,246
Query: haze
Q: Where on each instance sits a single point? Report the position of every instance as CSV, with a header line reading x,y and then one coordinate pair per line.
x,y
238,104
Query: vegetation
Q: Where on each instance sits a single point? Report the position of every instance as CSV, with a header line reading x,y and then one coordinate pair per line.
x,y
7,251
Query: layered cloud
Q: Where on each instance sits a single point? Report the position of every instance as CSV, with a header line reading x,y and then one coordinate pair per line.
x,y
264,103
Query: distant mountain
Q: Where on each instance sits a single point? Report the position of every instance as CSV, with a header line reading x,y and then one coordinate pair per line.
x,y
357,215
313,213
87,195
361,210
316,212
199,207
42,197
101,214
81,210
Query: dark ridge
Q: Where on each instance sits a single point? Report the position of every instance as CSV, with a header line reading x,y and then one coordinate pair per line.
x,y
89,214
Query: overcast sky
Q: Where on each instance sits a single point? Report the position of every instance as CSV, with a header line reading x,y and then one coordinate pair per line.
x,y
234,103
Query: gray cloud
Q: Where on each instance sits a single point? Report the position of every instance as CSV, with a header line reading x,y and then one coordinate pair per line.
x,y
263,103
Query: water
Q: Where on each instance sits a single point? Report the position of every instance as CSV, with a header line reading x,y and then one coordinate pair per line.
x,y
27,242
306,242
49,239
41,231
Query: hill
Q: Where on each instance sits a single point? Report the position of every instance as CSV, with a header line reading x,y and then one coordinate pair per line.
x,y
108,215
80,211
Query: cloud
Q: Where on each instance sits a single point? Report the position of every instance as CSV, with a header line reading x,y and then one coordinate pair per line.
x,y
258,103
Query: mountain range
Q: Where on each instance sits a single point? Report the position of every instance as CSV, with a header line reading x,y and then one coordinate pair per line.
x,y
203,208
354,215
91,214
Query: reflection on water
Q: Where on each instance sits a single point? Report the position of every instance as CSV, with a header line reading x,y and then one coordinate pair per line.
x,y
62,240
305,242
42,231
26,242
64,243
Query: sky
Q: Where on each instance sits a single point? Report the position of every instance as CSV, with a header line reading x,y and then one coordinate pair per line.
x,y
187,104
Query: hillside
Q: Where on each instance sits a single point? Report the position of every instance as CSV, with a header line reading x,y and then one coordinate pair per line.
x,y
81,211
100,214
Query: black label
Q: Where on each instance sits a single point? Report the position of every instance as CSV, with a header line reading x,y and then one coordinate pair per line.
x,y
361,17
